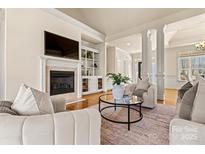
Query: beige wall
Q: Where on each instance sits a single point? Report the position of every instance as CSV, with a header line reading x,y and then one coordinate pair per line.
x,y
25,45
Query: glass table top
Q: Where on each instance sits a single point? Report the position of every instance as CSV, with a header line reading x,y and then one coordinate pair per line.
x,y
108,98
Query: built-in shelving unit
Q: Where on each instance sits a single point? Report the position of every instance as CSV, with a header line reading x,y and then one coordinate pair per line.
x,y
90,61
90,69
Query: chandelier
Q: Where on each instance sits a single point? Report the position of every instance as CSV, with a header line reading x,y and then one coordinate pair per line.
x,y
200,46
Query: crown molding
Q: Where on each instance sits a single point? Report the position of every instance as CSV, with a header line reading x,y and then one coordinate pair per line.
x,y
85,29
157,24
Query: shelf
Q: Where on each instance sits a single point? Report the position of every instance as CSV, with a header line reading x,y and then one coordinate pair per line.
x,y
90,59
97,76
87,59
88,67
89,49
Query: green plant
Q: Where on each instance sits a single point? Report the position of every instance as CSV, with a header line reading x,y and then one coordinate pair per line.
x,y
117,79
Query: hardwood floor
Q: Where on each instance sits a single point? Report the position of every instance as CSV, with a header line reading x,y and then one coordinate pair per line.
x,y
92,99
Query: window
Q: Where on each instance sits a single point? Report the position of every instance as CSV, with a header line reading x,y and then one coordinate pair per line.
x,y
190,67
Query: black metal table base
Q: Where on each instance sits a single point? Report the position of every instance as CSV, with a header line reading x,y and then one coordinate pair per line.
x,y
129,108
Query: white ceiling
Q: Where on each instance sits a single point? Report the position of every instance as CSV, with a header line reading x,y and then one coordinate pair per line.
x,y
131,44
181,33
114,20
185,32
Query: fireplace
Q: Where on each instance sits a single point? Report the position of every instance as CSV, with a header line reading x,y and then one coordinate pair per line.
x,y
61,82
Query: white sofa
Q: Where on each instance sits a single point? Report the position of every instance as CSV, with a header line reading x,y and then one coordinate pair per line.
x,y
185,132
73,127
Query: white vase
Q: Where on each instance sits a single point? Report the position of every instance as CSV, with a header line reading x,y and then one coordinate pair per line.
x,y
118,91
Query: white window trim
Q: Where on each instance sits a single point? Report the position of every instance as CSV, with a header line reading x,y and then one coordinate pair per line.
x,y
190,66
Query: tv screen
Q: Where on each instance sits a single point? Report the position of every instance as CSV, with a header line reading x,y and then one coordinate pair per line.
x,y
60,46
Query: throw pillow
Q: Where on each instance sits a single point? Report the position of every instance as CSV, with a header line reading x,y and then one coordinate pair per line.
x,y
187,103
21,91
198,112
6,104
5,107
129,89
143,84
183,89
30,101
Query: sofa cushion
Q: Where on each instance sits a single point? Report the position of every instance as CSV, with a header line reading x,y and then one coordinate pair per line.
x,y
143,84
198,113
184,88
30,101
187,101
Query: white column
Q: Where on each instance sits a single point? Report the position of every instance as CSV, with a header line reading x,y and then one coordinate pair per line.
x,y
160,63
146,54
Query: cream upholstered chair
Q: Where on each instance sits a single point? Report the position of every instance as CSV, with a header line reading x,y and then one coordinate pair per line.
x,y
149,97
70,127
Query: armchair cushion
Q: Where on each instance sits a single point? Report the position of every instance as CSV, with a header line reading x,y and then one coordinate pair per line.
x,y
139,92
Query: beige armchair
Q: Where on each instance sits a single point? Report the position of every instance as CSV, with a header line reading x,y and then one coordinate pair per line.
x,y
149,97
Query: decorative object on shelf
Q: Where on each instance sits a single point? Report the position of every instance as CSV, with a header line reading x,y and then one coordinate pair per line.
x,y
89,55
118,88
95,65
83,54
200,46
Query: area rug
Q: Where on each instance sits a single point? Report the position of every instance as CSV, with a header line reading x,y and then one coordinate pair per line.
x,y
153,129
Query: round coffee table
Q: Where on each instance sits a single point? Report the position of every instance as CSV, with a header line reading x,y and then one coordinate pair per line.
x,y
129,102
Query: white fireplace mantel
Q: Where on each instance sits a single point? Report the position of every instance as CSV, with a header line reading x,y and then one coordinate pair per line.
x,y
50,61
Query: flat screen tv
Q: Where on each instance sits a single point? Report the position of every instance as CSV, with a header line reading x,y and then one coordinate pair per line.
x,y
60,46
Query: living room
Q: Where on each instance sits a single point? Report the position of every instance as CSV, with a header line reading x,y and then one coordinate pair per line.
x,y
71,79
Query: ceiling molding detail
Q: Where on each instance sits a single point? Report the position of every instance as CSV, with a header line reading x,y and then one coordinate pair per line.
x,y
157,23
85,29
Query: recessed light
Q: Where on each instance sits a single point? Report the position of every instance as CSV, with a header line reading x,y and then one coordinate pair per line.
x,y
128,44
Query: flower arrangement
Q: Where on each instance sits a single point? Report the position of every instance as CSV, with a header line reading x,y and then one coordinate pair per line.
x,y
200,46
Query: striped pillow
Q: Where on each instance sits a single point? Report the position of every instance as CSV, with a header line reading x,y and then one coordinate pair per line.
x,y
5,107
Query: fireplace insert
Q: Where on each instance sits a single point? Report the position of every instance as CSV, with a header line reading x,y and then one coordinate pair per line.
x,y
61,82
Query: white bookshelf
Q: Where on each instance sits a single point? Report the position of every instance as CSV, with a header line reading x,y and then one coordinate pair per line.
x,y
90,58
90,68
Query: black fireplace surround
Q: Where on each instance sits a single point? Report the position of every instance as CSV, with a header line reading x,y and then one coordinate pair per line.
x,y
61,82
